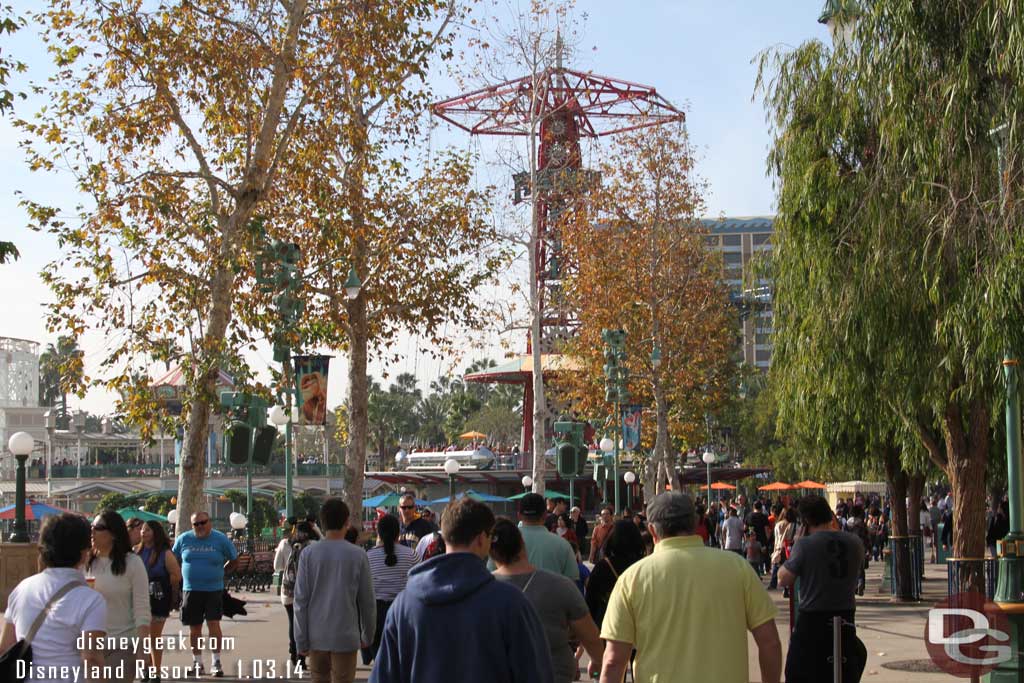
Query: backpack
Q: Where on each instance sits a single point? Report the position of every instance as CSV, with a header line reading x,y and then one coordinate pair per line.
x,y
434,547
288,581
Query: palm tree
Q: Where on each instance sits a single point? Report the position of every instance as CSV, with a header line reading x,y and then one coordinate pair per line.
x,y
61,371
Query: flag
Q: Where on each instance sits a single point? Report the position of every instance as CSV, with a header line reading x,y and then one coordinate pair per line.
x,y
311,388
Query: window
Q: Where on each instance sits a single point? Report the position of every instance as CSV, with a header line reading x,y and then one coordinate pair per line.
x,y
762,339
762,238
732,240
763,355
733,260
711,240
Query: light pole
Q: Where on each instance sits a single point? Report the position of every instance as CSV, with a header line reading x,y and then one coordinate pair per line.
x,y
78,422
629,478
280,417
606,446
708,458
527,482
21,444
451,468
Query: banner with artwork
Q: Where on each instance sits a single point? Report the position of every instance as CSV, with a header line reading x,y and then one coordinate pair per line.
x,y
311,388
631,426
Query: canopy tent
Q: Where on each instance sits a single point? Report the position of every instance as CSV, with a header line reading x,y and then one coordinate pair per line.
x,y
777,486
144,515
473,435
34,511
475,495
388,500
808,484
849,489
719,486
554,495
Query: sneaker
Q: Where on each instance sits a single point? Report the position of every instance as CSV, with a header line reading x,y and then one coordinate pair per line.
x,y
217,670
198,669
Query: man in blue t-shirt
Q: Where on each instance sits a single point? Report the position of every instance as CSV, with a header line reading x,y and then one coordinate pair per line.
x,y
204,555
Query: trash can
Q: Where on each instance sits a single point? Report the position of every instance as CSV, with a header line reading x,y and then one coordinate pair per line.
x,y
941,554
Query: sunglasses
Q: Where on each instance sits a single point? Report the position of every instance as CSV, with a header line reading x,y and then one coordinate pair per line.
x,y
100,527
407,507
136,525
202,522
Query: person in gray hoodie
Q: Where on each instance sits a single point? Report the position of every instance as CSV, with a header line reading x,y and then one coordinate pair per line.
x,y
454,622
335,611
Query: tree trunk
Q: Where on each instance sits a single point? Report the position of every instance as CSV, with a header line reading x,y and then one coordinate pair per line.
x,y
192,472
915,491
903,568
656,484
540,408
967,458
358,398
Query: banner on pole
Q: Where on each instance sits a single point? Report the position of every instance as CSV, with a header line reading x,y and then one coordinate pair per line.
x,y
631,426
311,384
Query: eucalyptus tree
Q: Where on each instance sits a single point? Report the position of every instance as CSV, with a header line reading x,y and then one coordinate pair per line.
x,y
897,277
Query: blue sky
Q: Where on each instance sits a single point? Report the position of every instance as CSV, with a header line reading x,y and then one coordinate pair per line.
x,y
697,53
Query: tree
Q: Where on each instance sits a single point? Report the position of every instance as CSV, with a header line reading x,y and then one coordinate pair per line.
x,y
191,119
9,23
895,272
61,371
112,501
644,268
160,503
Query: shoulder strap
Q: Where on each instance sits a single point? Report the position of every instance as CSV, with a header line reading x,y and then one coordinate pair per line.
x,y
612,567
38,623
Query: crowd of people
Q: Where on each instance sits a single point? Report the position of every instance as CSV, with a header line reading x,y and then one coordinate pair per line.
x,y
475,596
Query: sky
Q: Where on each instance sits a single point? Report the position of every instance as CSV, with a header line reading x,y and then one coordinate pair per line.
x,y
700,54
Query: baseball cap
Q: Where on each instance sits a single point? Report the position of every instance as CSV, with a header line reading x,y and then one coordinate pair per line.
x,y
671,509
532,505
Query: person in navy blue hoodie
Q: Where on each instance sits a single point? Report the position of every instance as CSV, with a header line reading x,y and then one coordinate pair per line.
x,y
454,622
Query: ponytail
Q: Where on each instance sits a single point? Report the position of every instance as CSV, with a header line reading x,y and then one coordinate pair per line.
x,y
387,530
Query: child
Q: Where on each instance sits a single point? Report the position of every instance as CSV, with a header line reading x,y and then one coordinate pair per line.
x,y
754,552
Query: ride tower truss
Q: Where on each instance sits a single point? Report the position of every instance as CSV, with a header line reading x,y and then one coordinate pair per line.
x,y
559,106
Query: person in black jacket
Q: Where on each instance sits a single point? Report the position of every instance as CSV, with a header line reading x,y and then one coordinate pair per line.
x,y
998,527
580,526
624,546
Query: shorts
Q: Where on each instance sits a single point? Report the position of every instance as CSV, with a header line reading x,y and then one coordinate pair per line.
x,y
200,606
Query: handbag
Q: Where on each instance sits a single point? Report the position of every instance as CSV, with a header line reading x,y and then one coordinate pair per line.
x,y
21,651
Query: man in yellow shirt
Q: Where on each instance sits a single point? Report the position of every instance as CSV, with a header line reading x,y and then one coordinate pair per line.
x,y
686,609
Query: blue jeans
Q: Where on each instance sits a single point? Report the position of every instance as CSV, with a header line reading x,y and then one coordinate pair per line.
x,y
774,582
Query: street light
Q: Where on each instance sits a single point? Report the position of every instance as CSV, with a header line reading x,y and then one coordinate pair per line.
x,y
21,444
527,482
629,477
451,468
708,458
352,284
280,417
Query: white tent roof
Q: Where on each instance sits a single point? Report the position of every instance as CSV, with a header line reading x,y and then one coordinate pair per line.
x,y
857,486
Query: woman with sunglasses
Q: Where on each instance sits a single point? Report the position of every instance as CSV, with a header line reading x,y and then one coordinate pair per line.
x,y
122,580
164,581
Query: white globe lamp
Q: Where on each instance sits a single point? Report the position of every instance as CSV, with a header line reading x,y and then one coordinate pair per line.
x,y
607,445
278,416
629,477
172,517
708,457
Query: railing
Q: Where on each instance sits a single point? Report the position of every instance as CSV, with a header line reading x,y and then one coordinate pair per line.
x,y
123,471
963,573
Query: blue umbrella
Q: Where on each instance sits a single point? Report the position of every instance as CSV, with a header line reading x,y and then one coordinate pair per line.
x,y
482,497
387,500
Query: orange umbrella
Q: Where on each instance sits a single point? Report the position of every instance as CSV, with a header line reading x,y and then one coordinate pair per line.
x,y
777,486
808,484
719,486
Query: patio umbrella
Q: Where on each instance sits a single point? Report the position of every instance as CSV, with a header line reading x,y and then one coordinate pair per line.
x,y
387,500
144,515
719,486
808,484
547,494
777,486
475,495
473,435
34,511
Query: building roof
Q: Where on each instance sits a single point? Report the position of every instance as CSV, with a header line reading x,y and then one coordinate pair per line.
x,y
738,224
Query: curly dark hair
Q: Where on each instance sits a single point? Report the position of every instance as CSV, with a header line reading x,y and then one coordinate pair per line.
x,y
62,539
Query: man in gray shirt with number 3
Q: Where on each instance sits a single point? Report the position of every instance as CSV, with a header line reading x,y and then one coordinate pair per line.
x,y
827,561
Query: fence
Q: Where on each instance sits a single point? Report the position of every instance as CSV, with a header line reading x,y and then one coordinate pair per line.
x,y
905,553
964,573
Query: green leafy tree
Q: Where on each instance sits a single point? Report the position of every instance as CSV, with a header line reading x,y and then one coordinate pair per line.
x,y
61,371
113,501
897,275
160,503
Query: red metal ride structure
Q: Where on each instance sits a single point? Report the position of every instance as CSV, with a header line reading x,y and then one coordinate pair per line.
x,y
560,106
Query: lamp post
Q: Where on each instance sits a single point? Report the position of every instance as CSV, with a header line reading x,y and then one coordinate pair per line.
x,y
451,468
78,422
708,458
629,478
527,482
280,417
21,444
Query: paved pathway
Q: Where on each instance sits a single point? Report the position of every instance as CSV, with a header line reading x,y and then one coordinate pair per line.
x,y
892,632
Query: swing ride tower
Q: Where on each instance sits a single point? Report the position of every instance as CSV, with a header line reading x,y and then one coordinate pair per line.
x,y
557,107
